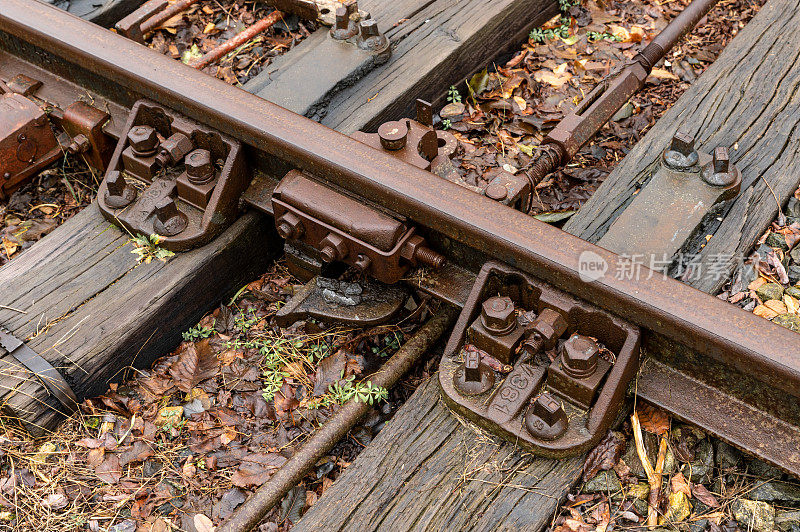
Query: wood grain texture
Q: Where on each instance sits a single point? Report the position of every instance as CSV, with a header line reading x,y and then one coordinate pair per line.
x,y
747,100
428,470
91,310
438,46
436,43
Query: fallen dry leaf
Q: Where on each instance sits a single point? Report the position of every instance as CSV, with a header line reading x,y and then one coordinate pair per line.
x,y
605,455
660,73
109,471
792,305
703,495
764,312
256,469
777,306
195,364
756,284
678,483
653,419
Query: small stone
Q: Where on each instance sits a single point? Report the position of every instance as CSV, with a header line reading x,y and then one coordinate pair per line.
x,y
639,491
793,291
641,506
150,468
795,254
604,482
790,321
727,457
452,111
703,463
754,515
625,112
793,271
770,291
776,240
772,491
698,526
762,469
787,521
793,207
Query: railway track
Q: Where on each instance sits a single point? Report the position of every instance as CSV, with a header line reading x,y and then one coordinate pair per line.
x,y
705,361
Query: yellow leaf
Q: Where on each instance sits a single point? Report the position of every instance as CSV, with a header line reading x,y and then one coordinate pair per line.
x,y
777,306
621,33
679,508
792,305
227,436
169,414
756,284
10,247
207,10
521,102
524,148
209,27
660,73
764,312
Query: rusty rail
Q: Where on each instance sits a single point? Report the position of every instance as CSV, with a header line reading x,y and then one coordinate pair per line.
x,y
124,72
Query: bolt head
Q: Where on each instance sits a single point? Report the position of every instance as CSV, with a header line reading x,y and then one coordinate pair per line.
x,y
143,139
199,165
369,28
496,191
472,366
393,135
166,209
547,409
721,160
497,315
682,143
580,354
342,18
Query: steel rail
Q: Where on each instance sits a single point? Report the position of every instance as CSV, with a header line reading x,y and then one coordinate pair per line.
x,y
127,71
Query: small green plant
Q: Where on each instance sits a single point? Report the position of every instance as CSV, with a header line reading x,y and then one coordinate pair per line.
x,y
346,389
391,343
453,96
540,35
245,320
273,381
446,124
147,248
598,36
198,332
564,5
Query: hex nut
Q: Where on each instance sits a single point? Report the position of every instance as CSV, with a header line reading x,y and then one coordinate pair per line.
x,y
143,140
199,167
580,355
498,316
546,418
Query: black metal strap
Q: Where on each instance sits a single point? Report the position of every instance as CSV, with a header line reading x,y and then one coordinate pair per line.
x,y
52,380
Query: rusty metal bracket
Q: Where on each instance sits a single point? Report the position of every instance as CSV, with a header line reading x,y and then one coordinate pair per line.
x,y
686,187
572,363
173,177
332,227
27,141
365,303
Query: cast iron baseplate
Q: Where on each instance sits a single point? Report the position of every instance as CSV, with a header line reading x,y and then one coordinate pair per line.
x,y
173,177
514,405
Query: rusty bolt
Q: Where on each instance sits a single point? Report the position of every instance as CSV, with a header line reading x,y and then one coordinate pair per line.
x,y
472,370
579,356
290,226
333,247
80,144
199,167
498,316
543,332
346,26
428,257
143,140
682,143
546,419
120,193
681,154
473,377
393,135
496,191
719,172
721,160
371,38
362,262
173,149
169,220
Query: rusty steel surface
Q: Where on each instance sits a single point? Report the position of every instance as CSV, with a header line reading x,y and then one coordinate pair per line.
x,y
172,187
125,72
249,514
686,187
555,409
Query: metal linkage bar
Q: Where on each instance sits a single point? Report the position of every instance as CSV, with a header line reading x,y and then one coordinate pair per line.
x,y
124,72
